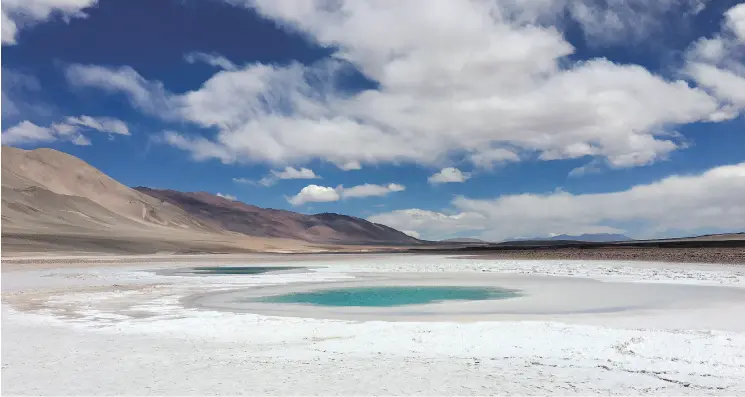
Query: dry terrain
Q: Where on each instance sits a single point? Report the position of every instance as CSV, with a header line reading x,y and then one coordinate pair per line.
x,y
53,202
681,255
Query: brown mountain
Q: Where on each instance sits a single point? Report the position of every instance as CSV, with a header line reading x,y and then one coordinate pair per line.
x,y
44,189
251,220
52,201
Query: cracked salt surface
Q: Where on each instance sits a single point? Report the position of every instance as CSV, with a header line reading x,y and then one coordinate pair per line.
x,y
92,338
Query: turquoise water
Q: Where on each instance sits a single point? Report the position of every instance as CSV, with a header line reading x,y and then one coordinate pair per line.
x,y
390,296
240,269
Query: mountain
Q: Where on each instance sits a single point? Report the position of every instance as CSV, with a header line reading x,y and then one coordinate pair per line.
x,y
562,238
44,189
596,237
52,201
251,220
464,240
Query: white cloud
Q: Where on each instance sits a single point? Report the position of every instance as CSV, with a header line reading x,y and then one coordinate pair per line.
x,y
102,124
629,21
294,173
147,96
227,196
350,166
438,99
215,60
589,168
20,14
28,133
288,173
315,193
488,158
717,63
275,175
431,224
412,233
81,140
370,190
711,200
735,21
449,175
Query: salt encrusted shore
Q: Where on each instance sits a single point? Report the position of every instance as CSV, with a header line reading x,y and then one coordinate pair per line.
x,y
126,329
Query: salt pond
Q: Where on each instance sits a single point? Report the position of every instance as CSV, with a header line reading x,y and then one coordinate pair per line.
x,y
390,296
576,328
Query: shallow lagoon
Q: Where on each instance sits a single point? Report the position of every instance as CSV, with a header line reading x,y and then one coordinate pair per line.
x,y
390,296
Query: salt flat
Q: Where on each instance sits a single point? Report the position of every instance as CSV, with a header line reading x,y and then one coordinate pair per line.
x,y
585,327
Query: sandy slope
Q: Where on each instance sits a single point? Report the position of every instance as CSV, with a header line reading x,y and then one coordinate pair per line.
x,y
39,185
126,330
55,202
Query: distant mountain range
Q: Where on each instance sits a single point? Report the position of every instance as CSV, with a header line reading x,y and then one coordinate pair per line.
x,y
592,237
597,237
47,194
588,237
464,240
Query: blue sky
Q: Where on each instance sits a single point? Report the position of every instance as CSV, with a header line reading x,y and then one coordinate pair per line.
x,y
464,118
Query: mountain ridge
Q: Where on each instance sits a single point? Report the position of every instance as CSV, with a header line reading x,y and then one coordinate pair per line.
x,y
48,193
237,216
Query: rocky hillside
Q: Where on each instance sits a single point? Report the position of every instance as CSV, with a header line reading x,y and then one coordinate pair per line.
x,y
251,220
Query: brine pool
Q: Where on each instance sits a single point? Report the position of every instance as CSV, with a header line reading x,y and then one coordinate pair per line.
x,y
390,296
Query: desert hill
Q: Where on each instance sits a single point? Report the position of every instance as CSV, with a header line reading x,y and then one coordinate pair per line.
x,y
54,201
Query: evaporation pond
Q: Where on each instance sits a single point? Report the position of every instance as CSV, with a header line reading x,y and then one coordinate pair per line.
x,y
390,296
241,269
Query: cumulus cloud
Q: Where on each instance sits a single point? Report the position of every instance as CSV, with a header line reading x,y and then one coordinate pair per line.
x,y
628,21
227,196
370,190
438,97
276,175
288,173
735,21
449,175
315,193
711,200
716,63
70,130
21,14
215,60
28,132
488,158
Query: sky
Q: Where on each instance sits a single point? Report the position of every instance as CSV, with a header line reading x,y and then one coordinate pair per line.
x,y
487,119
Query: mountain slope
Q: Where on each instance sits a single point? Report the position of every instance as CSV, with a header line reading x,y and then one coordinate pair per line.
x,y
248,219
45,188
52,201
